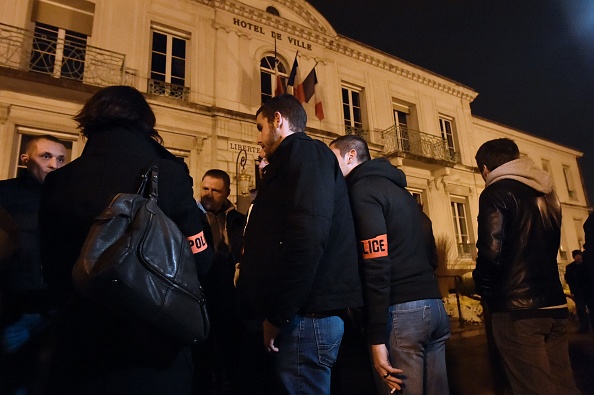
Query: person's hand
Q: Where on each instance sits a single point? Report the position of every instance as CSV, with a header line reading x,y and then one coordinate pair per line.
x,y
236,275
270,334
379,353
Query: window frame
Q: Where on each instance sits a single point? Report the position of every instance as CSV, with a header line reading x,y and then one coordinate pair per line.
x,y
569,182
449,137
268,74
62,52
464,250
171,84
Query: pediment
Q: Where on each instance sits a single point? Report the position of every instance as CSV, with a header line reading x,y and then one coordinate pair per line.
x,y
298,12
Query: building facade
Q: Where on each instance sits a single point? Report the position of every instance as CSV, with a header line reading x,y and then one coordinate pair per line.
x,y
207,65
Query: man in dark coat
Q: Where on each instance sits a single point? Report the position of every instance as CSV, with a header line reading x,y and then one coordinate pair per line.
x,y
578,279
406,323
216,360
24,293
299,268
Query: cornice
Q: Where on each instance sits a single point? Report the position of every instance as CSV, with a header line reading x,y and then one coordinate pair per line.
x,y
341,44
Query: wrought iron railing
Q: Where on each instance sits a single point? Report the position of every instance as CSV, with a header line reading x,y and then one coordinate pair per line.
x,y
61,58
162,88
399,139
357,132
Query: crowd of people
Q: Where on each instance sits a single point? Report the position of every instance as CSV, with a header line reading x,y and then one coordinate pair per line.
x,y
333,254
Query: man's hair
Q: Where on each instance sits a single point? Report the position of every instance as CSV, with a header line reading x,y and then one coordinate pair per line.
x,y
350,141
494,153
221,175
117,106
575,253
289,107
33,141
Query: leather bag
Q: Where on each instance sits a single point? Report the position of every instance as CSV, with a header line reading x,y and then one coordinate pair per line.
x,y
136,262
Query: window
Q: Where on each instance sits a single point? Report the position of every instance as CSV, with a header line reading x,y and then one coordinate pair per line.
x,y
401,114
58,52
569,182
461,228
25,134
447,134
351,108
168,65
268,75
272,10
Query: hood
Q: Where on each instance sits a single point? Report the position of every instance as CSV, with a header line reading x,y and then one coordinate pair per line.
x,y
525,171
380,167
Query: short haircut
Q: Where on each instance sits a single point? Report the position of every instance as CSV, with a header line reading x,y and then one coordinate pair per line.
x,y
289,107
346,143
33,141
221,175
575,253
117,106
494,153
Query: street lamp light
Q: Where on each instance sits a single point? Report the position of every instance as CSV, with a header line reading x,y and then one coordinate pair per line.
x,y
242,182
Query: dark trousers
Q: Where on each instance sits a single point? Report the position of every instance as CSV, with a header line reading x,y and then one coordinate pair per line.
x,y
582,313
535,354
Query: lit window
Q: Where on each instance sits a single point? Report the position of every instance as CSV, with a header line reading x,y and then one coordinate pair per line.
x,y
168,65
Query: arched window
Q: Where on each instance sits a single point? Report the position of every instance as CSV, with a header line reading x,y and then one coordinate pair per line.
x,y
267,76
272,10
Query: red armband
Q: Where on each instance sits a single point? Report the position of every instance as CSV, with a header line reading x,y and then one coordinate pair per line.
x,y
375,248
197,243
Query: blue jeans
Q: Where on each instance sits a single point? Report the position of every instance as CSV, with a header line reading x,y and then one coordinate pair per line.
x,y
535,354
418,331
308,348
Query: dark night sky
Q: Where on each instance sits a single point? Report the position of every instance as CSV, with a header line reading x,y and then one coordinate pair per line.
x,y
531,61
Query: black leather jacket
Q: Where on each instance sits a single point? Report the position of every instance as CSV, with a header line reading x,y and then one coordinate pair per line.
x,y
518,238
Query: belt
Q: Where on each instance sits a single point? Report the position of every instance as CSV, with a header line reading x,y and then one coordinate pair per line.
x,y
322,314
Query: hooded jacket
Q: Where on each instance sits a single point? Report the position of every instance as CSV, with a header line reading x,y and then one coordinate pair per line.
x,y
519,230
395,261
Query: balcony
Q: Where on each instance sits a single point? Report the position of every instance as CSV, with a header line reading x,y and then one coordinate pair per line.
x,y
364,134
60,58
162,88
399,140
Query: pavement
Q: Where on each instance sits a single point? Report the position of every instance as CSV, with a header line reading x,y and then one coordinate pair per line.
x,y
469,369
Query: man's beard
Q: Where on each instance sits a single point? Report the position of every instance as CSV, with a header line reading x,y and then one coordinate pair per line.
x,y
272,142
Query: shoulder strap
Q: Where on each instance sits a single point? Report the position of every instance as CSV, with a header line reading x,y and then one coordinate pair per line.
x,y
154,181
142,188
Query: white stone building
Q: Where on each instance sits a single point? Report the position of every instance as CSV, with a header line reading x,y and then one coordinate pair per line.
x,y
207,65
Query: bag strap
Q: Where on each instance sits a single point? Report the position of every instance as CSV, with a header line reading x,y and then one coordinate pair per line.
x,y
154,181
142,187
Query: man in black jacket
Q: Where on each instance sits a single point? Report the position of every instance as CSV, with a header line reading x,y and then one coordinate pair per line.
x,y
407,325
299,268
24,294
519,229
216,359
578,279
